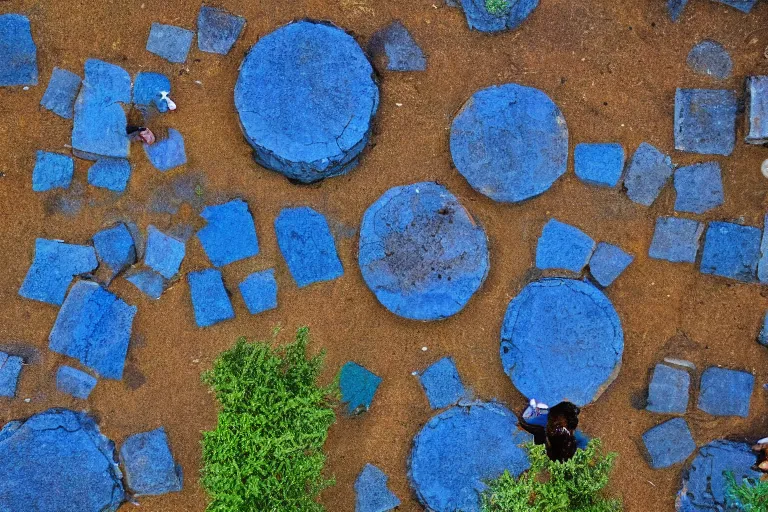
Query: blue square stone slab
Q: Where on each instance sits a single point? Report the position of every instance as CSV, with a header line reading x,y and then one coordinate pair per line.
x,y
53,268
726,392
149,466
757,110
648,172
210,299
732,251
75,382
669,443
562,246
61,93
744,6
395,46
167,153
358,386
442,384
110,173
259,291
229,234
372,493
18,53
668,391
164,253
10,369
705,121
676,240
115,248
170,42
149,282
608,262
217,30
699,187
52,170
600,164
148,89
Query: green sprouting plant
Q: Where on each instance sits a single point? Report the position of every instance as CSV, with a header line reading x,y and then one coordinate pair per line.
x,y
497,7
749,495
548,486
265,453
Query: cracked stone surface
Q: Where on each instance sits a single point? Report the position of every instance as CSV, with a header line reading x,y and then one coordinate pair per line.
x,y
478,17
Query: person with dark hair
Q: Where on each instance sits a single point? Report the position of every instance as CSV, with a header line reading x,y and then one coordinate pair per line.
x,y
553,427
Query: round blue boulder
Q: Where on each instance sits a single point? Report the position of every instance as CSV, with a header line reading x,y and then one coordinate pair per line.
x,y
306,97
510,142
561,340
459,450
507,16
421,252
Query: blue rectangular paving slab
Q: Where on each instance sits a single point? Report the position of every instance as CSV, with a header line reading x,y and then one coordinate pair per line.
x,y
307,246
762,338
742,5
229,234
757,110
762,265
564,247
372,493
731,250
52,170
705,121
210,300
259,291
110,173
18,52
148,89
61,93
358,386
725,392
10,369
149,282
442,384
669,390
675,8
608,262
600,164
669,443
648,172
163,253
54,266
115,248
170,42
217,30
676,240
75,382
699,187
167,153
94,326
150,469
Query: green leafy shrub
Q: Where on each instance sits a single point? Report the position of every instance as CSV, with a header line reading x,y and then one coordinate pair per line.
x,y
265,453
548,486
497,7
749,495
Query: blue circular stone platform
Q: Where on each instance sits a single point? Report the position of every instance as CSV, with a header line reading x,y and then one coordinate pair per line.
x,y
421,253
516,12
459,450
306,97
561,340
510,142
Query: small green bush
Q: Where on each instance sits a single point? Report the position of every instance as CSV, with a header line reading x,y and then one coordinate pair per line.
x,y
749,495
548,486
265,453
497,7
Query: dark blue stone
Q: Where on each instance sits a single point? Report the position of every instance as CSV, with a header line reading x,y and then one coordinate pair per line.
x,y
668,391
669,443
210,299
18,53
61,93
461,449
566,328
259,291
699,187
710,58
599,164
217,30
478,17
563,247
442,384
726,392
648,172
757,109
607,263
421,252
54,266
170,42
229,234
705,121
510,142
320,75
147,90
307,246
10,370
164,253
763,336
165,154
149,466
358,386
52,170
676,240
149,282
731,250
115,248
75,382
395,46
762,265
58,460
372,493
110,173
742,5
675,8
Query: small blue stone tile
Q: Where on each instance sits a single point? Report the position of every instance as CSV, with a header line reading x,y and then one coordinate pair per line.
x,y
676,240
705,121
115,248
259,291
442,384
149,282
710,58
726,392
110,173
53,268
699,188
599,164
150,469
167,153
372,493
52,170
164,253
732,251
395,45
75,382
358,386
170,42
18,58
210,299
648,172
147,90
61,93
669,443
217,30
229,234
757,109
563,247
10,369
607,263
669,390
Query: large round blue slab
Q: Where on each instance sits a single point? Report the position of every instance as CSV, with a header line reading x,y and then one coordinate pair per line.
x,y
306,97
561,340
508,18
459,450
421,253
510,142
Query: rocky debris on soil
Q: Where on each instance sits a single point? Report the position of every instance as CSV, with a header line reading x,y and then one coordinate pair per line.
x,y
170,42
732,251
164,253
442,384
710,58
511,17
396,50
53,268
10,370
599,164
510,142
648,172
726,392
52,170
210,299
699,187
705,121
217,30
148,282
110,173
668,391
358,386
167,153
676,240
563,247
18,53
744,6
94,327
229,234
61,93
669,443
307,246
148,89
421,252
462,448
372,493
757,109
675,8
75,382
327,130
259,291
608,262
115,248
149,466
58,460
561,340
